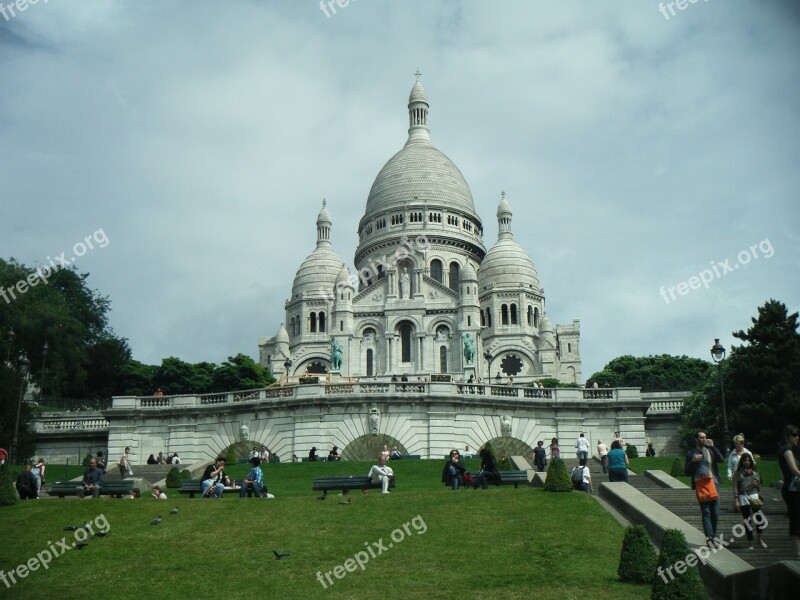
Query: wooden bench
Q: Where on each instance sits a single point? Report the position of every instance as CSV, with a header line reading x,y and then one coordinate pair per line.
x,y
115,487
345,483
195,486
514,478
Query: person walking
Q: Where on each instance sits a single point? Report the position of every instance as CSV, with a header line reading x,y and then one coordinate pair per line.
x,y
582,444
702,465
602,452
617,463
124,464
789,462
747,485
540,456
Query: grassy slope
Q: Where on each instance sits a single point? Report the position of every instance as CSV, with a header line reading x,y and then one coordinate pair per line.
x,y
504,543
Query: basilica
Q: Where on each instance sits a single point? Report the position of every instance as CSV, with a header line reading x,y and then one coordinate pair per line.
x,y
426,298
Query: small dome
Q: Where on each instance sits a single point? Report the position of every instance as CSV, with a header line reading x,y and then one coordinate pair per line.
x,y
546,326
324,216
343,279
418,93
468,273
317,275
282,337
508,265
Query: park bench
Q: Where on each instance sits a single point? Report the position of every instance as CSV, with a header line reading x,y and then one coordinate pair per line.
x,y
117,488
513,478
195,486
345,483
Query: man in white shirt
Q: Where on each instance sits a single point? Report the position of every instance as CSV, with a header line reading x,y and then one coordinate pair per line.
x,y
583,447
382,474
602,452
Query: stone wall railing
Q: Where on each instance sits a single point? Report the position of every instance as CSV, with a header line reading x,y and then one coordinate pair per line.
x,y
428,389
76,423
665,406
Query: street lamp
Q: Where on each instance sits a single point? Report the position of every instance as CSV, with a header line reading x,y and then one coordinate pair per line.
x,y
44,360
488,356
288,365
10,335
718,354
23,364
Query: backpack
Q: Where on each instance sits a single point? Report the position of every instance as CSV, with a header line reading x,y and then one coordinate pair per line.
x,y
577,476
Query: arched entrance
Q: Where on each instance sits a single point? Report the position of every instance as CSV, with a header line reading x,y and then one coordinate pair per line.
x,y
368,447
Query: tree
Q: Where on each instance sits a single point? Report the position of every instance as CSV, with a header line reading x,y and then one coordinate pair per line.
x,y
637,561
653,373
9,403
761,380
557,477
239,372
670,584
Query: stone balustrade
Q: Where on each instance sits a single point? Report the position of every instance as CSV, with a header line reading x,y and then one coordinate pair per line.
x,y
70,422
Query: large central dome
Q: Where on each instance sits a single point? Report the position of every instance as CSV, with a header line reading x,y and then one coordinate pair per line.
x,y
419,171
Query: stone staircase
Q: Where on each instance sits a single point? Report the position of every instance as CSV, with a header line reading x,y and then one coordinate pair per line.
x,y
683,504
150,473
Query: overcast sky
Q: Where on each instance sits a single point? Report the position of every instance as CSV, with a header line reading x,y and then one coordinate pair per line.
x,y
636,150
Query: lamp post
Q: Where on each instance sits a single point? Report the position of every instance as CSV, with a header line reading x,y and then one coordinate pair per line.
x,y
288,365
23,364
44,361
718,354
488,356
10,336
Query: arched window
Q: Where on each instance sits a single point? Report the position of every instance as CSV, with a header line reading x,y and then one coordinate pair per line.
x,y
405,341
370,365
530,315
436,270
321,322
469,321
454,270
312,326
488,317
514,314
504,314
443,359
536,317
483,319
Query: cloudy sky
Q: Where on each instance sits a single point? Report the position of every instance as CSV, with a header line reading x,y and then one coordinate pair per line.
x,y
637,151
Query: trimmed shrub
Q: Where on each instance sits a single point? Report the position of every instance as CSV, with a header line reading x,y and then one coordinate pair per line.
x,y
86,460
230,456
185,475
631,451
668,584
8,495
637,560
174,478
557,477
676,470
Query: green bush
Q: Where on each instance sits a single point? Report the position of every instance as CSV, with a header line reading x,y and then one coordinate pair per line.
x,y
230,456
174,478
631,451
676,470
86,460
8,495
637,560
668,584
185,475
557,477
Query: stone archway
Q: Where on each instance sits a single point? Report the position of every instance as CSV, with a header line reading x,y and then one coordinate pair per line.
x,y
368,447
510,446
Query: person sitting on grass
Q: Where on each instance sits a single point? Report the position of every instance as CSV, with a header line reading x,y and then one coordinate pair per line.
x,y
26,484
333,455
382,474
489,473
312,454
453,472
395,455
158,494
92,480
254,481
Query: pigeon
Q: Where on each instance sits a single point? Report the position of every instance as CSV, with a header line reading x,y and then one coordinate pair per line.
x,y
81,545
101,533
156,521
174,511
279,555
322,497
70,528
86,526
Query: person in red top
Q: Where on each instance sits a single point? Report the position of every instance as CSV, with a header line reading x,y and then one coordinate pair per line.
x,y
3,456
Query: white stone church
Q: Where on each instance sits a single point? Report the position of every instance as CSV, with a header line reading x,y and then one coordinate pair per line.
x,y
426,297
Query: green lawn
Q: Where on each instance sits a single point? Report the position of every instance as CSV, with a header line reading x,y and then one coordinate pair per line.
x,y
503,543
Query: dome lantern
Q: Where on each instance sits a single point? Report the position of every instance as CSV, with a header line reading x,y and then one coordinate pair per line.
x,y
418,113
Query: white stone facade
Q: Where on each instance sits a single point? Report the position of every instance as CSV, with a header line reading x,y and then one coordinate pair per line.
x,y
423,282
